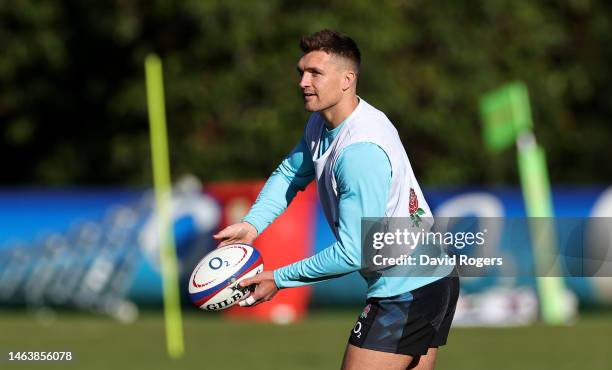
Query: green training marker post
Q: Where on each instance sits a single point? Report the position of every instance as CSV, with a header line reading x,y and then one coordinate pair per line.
x,y
538,202
505,113
506,116
163,193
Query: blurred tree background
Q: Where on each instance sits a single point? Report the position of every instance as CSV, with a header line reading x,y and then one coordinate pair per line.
x,y
73,108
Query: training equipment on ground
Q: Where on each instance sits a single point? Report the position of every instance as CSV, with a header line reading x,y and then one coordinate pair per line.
x,y
214,282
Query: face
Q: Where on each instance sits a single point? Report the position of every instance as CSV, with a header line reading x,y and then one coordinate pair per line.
x,y
322,80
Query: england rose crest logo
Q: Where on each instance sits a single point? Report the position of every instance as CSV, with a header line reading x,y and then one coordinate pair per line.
x,y
415,211
365,312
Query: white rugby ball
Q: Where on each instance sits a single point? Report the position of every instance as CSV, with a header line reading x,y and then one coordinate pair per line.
x,y
213,285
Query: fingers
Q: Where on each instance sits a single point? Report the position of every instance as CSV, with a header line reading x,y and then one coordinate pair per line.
x,y
224,243
264,291
250,293
226,236
242,232
242,301
223,234
250,281
249,301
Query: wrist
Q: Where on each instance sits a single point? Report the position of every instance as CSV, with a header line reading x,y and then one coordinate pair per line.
x,y
277,279
252,226
252,230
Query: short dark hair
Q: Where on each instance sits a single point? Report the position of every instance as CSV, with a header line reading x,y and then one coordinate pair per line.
x,y
333,42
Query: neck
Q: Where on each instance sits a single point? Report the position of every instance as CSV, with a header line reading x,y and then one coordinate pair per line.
x,y
335,115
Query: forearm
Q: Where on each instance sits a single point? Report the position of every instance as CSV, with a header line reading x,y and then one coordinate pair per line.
x,y
293,174
329,263
273,199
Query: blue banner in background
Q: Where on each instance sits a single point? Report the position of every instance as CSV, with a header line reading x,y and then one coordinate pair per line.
x,y
26,215
93,249
115,230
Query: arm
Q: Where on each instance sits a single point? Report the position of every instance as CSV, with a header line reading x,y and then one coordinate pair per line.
x,y
363,173
294,173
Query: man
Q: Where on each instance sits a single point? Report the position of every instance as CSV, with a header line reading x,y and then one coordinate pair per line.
x,y
361,168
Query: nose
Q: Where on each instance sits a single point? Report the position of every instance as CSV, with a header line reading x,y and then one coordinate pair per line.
x,y
304,81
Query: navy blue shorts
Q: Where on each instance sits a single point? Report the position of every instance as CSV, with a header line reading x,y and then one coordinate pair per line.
x,y
408,323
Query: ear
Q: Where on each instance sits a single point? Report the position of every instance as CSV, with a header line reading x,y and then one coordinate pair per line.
x,y
348,79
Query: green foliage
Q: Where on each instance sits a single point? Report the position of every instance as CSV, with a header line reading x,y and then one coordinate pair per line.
x,y
73,108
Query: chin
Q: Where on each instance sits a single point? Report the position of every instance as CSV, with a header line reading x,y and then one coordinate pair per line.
x,y
310,108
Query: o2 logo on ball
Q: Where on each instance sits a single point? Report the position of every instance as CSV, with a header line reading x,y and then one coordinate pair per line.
x,y
216,263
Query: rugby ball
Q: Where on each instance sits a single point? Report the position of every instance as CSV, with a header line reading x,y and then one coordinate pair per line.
x,y
213,285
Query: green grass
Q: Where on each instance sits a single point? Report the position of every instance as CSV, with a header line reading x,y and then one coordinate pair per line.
x,y
317,343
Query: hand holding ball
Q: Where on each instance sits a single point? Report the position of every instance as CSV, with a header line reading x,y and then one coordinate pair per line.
x,y
213,285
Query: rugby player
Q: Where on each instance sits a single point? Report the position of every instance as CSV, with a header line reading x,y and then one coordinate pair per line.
x,y
361,169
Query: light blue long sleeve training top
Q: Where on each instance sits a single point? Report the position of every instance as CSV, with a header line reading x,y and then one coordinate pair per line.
x,y
363,172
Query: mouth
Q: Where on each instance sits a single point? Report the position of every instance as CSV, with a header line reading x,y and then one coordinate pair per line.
x,y
309,96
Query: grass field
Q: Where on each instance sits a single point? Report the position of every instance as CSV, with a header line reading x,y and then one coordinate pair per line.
x,y
317,343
